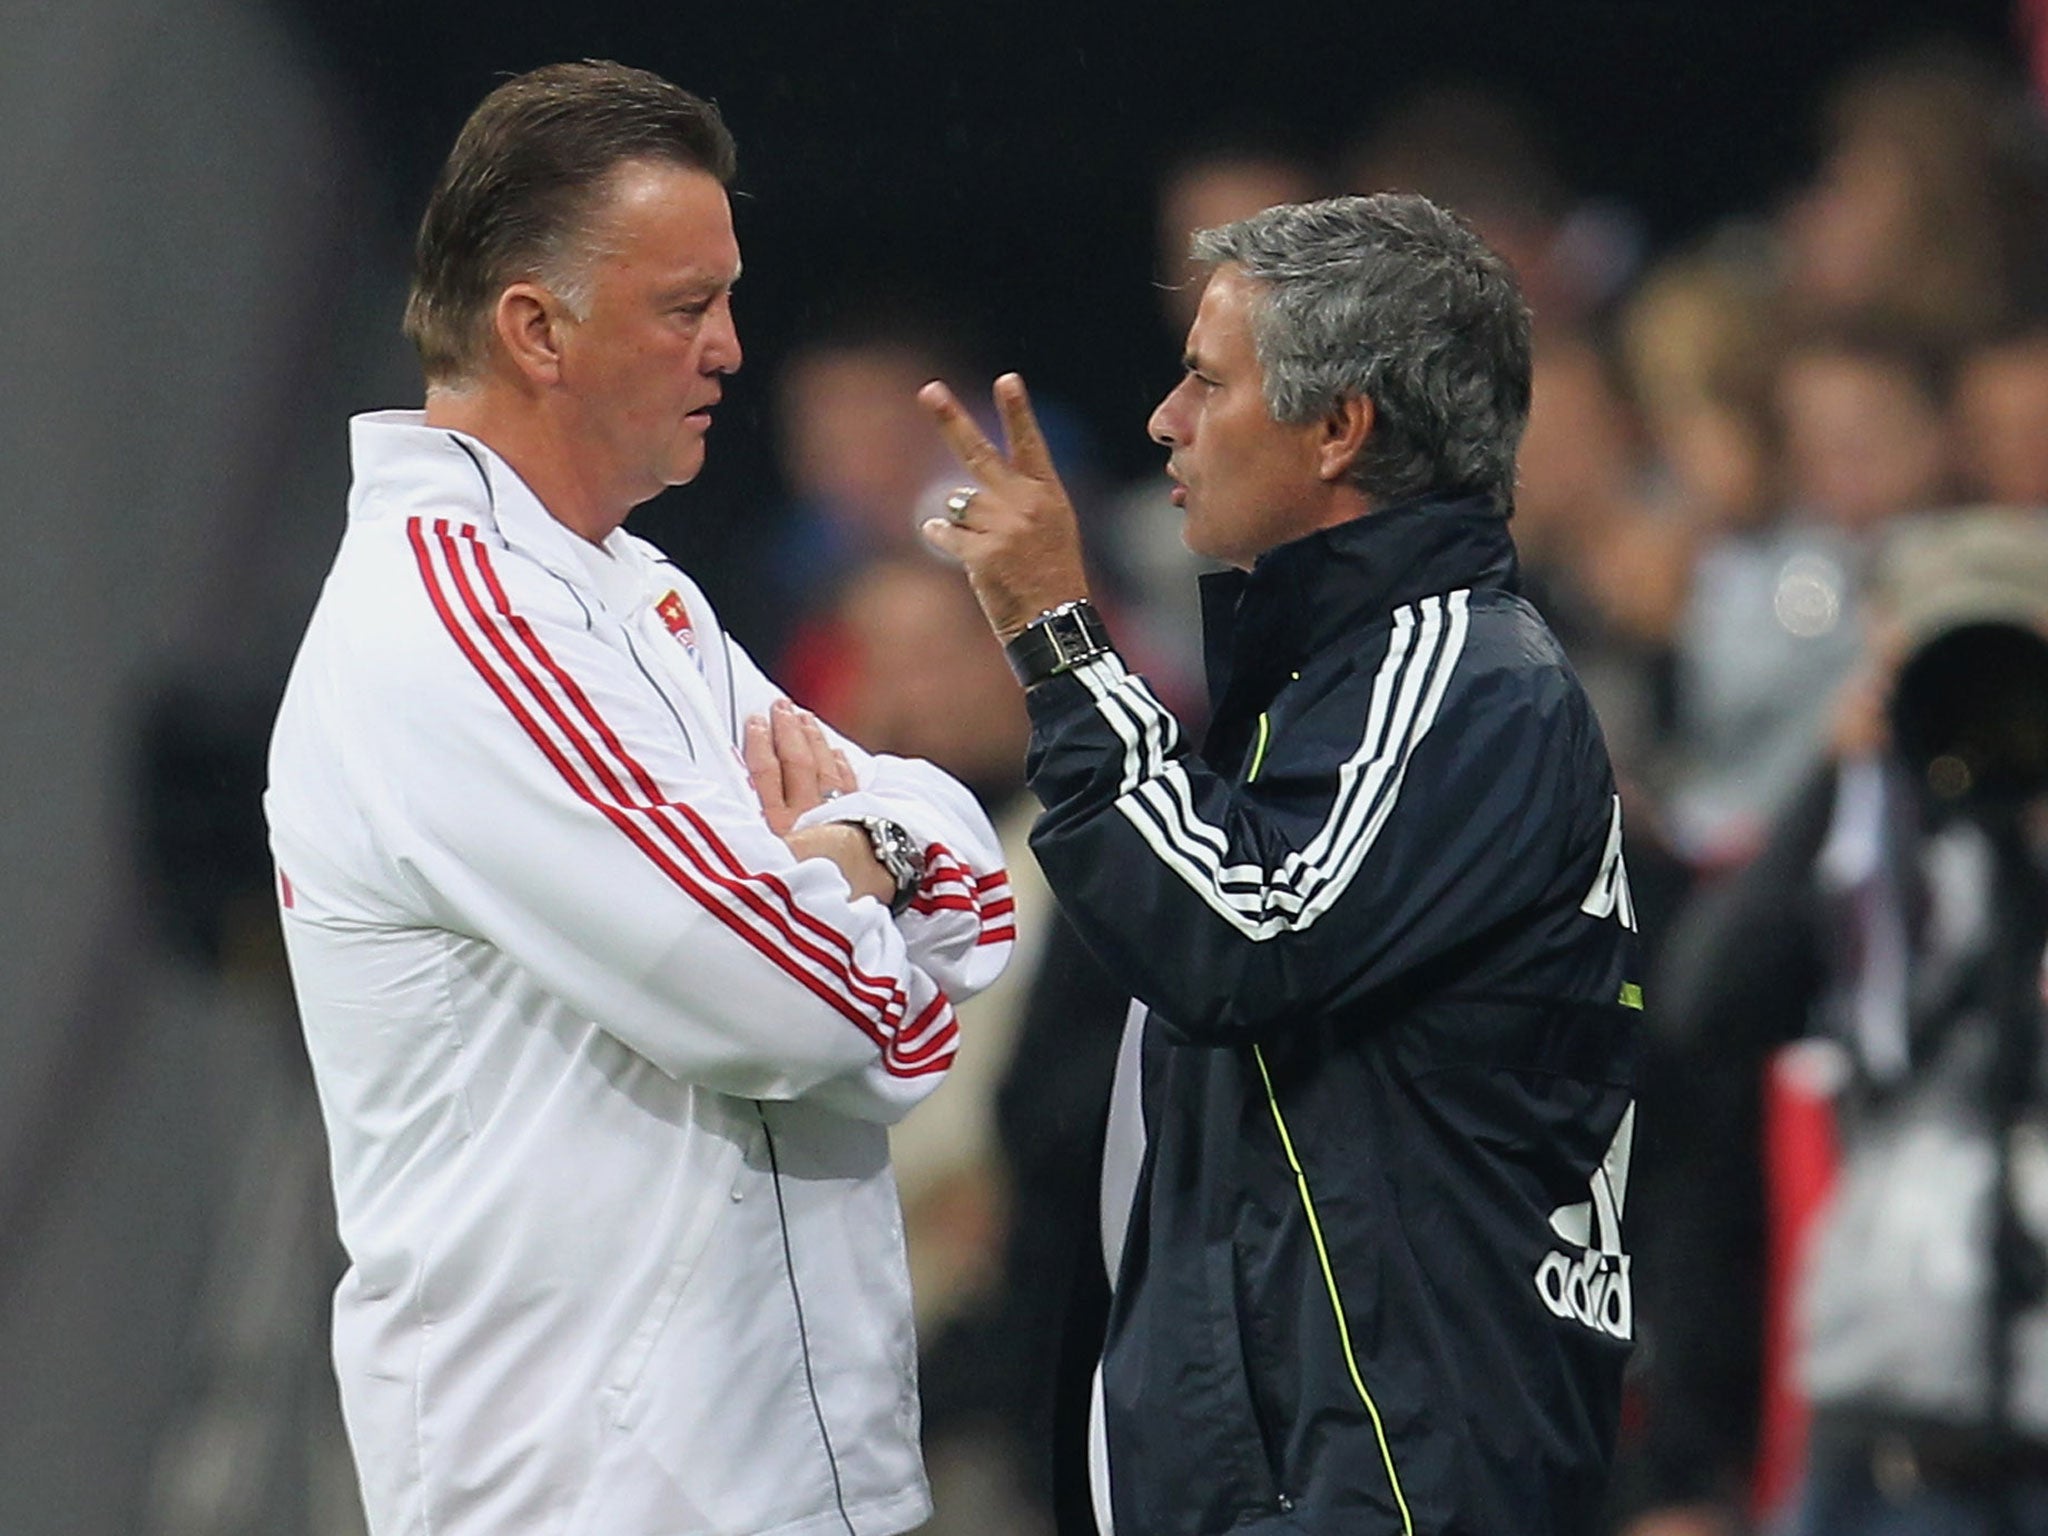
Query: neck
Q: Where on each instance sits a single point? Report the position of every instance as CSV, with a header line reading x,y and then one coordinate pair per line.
x,y
516,427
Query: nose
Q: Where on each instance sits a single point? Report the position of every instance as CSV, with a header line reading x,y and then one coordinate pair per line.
x,y
721,351
1166,427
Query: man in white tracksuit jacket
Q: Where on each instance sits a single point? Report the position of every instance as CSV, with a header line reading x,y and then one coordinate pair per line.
x,y
604,995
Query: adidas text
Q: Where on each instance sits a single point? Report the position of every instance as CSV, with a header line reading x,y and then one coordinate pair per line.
x,y
1593,1288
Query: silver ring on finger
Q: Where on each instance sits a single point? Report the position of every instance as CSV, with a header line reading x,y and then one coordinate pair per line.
x,y
959,501
830,794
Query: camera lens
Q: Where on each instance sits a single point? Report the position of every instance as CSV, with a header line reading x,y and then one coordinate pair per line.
x,y
1970,716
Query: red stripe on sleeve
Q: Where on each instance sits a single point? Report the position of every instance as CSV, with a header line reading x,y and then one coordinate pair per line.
x,y
875,991
990,898
876,1029
878,988
949,903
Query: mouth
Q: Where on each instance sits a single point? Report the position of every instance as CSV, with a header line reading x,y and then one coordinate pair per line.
x,y
1178,495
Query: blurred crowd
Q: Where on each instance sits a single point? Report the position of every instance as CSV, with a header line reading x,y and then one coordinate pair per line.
x,y
1725,440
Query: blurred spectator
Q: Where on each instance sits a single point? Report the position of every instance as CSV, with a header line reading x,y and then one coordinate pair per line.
x,y
1477,154
1770,631
1882,916
863,469
918,678
1925,209
2001,420
1608,574
1151,570
1699,341
1863,410
857,459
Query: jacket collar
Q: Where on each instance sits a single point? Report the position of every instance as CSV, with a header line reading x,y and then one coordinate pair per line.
x,y
404,467
1260,625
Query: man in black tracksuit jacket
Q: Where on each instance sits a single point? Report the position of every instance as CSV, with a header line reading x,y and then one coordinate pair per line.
x,y
1376,1105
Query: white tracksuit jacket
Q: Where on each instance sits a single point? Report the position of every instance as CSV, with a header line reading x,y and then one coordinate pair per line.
x,y
606,1072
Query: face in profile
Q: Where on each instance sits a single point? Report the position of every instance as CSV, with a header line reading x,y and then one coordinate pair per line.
x,y
645,366
1863,443
1246,482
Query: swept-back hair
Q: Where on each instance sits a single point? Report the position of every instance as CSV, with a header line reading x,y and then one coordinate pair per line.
x,y
1394,299
517,197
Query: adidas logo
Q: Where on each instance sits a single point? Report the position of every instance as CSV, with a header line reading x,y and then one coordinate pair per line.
x,y
1592,1286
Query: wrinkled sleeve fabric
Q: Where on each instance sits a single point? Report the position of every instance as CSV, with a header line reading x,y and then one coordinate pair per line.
x,y
543,799
961,926
1419,801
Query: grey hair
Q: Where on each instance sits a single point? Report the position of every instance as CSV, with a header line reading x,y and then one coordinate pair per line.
x,y
567,263
1391,298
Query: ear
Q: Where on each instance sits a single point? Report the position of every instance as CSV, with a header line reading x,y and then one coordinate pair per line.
x,y
1341,435
528,323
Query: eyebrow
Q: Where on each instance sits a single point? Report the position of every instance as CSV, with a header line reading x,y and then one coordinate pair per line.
x,y
700,284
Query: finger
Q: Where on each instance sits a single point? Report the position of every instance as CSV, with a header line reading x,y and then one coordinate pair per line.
x,y
757,749
1021,434
793,751
961,435
948,538
827,760
847,779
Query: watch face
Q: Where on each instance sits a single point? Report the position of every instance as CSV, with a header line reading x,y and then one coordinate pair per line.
x,y
895,851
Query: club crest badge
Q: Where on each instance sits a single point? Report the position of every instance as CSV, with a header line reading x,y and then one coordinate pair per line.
x,y
676,619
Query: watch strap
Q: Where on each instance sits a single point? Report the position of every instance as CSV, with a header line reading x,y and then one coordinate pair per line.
x,y
1058,640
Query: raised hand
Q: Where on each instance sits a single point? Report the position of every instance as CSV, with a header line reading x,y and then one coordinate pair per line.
x,y
1016,536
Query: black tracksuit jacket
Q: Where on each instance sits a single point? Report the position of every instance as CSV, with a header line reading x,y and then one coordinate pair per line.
x,y
1373,1280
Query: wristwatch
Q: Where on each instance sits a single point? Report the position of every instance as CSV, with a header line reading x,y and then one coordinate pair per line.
x,y
897,852
1057,641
